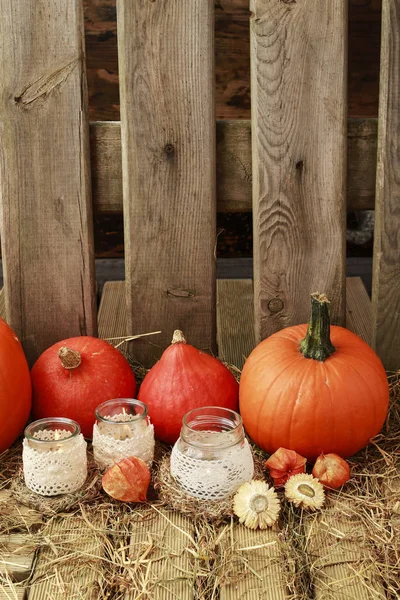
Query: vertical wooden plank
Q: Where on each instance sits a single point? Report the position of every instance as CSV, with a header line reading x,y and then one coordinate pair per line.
x,y
235,318
166,63
112,315
386,273
298,76
358,308
45,173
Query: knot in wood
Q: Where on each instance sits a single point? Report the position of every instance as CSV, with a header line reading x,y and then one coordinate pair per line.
x,y
275,305
169,149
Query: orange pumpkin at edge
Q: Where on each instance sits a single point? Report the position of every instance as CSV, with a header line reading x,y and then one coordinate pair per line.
x,y
16,389
313,389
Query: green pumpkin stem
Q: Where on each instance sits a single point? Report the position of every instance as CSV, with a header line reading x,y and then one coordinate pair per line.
x,y
317,343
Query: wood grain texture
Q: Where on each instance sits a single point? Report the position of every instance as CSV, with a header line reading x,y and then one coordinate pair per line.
x,y
232,58
166,59
235,320
113,317
299,158
363,57
106,165
358,309
46,222
362,138
386,271
234,166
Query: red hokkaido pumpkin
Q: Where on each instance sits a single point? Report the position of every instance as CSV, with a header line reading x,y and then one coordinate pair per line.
x,y
314,390
16,390
72,377
185,378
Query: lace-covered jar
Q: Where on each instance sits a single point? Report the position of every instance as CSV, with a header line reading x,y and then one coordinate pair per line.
x,y
212,458
122,429
54,457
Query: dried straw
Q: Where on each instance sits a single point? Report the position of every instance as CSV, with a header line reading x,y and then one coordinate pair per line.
x,y
363,518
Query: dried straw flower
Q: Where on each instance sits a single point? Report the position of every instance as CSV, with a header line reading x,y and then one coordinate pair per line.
x,y
256,504
305,491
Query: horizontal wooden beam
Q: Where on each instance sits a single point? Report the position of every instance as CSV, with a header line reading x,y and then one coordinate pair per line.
x,y
233,165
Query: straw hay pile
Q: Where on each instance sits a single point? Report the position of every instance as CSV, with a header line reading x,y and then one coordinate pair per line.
x,y
92,544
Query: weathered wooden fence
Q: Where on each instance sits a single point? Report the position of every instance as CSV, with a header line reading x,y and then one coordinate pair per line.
x,y
170,155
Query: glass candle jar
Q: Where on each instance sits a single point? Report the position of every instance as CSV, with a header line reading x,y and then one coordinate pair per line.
x,y
54,457
212,457
122,429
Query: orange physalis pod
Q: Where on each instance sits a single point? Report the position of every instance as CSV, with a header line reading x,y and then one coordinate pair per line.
x,y
283,464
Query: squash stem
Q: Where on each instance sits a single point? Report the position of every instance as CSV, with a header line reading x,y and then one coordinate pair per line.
x,y
317,343
178,337
70,359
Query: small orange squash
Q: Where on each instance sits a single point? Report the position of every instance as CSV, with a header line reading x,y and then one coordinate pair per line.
x,y
314,390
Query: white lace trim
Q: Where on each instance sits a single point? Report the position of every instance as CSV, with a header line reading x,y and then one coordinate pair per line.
x,y
107,450
56,472
216,478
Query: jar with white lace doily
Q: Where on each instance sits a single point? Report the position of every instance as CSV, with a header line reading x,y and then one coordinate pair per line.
x,y
54,457
122,429
212,457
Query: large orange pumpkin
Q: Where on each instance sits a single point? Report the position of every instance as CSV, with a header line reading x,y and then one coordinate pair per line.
x,y
16,392
314,390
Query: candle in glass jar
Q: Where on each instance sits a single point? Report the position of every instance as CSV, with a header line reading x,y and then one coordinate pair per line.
x,y
122,429
211,458
123,425
54,456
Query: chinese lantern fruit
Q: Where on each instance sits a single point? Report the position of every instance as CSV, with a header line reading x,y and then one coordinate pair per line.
x,y
183,379
128,480
283,464
72,377
16,392
332,470
314,390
